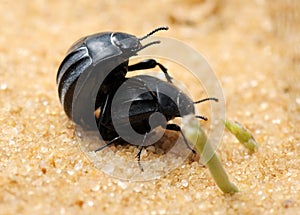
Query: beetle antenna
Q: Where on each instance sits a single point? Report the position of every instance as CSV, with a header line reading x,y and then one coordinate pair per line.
x,y
149,44
165,28
201,117
206,99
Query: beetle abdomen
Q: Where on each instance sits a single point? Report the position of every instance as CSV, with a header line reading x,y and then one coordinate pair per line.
x,y
69,71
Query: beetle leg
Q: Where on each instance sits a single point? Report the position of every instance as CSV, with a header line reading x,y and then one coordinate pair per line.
x,y
107,144
174,127
105,111
138,155
149,64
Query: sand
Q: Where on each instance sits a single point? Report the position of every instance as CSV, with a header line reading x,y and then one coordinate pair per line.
x,y
252,46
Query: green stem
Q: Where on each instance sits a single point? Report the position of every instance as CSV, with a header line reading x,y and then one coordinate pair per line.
x,y
194,133
220,176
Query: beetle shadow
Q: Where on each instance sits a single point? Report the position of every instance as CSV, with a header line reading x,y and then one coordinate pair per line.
x,y
171,145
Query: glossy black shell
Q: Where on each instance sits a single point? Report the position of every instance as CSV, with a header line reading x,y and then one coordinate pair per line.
x,y
159,96
90,55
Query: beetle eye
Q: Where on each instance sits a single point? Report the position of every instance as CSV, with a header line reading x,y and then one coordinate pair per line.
x,y
115,40
125,41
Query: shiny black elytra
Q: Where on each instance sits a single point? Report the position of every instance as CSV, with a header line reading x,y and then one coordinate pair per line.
x,y
90,55
146,95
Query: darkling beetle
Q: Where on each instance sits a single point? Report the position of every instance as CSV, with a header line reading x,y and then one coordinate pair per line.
x,y
157,96
93,52
90,54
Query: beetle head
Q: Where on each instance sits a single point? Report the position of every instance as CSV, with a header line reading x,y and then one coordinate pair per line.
x,y
128,43
125,42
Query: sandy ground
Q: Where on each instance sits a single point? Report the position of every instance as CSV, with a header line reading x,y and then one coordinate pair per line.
x,y
253,46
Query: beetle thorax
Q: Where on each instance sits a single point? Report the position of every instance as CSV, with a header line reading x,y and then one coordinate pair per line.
x,y
172,108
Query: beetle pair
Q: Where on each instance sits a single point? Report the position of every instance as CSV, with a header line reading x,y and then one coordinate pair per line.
x,y
104,58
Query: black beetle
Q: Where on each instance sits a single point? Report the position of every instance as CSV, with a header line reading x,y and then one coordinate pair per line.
x,y
90,55
134,103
